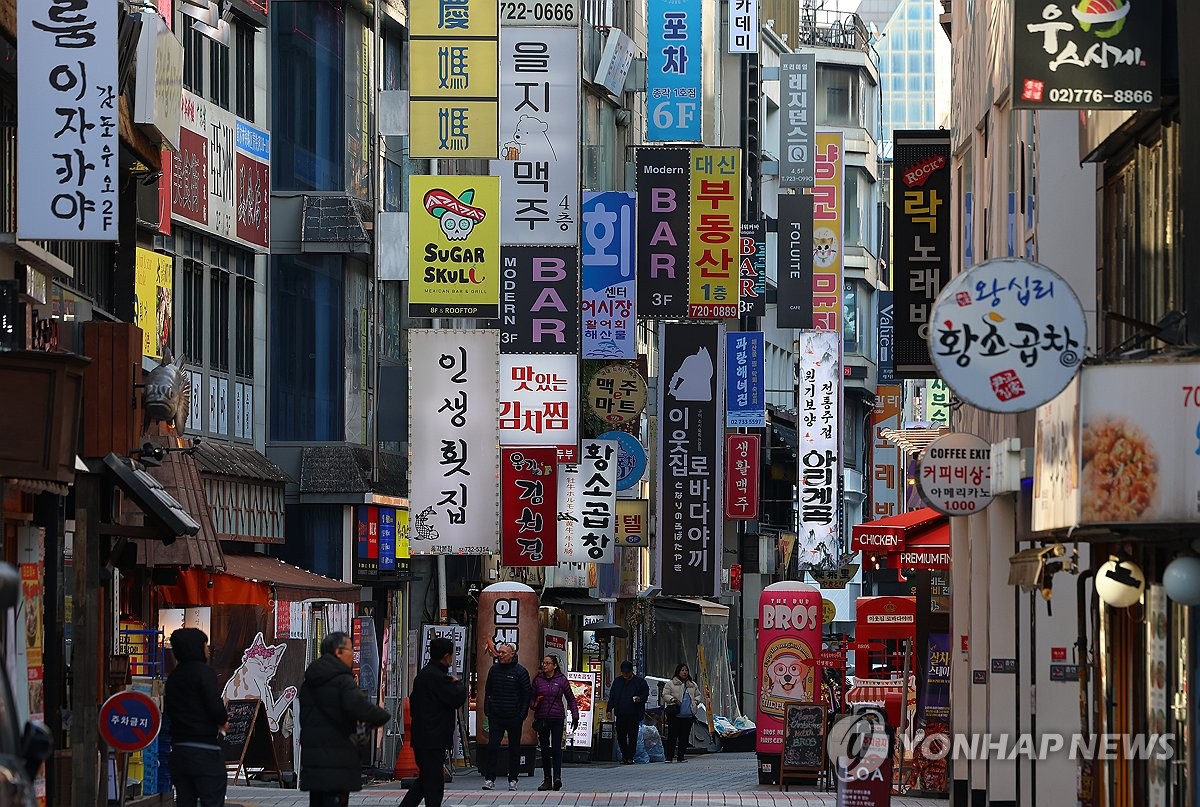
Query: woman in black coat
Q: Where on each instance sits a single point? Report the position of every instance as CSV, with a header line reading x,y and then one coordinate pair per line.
x,y
331,707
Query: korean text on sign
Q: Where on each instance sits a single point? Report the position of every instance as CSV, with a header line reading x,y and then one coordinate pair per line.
x,y
673,72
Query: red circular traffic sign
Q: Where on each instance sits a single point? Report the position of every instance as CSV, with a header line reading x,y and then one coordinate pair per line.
x,y
129,721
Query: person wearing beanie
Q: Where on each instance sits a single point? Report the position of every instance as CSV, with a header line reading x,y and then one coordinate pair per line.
x,y
627,700
196,718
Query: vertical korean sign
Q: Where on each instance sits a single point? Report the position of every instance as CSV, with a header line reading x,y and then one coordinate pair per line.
x,y
920,243
454,247
743,458
794,258
539,402
820,449
673,63
887,336
797,118
539,300
827,233
587,505
152,284
454,57
743,26
67,118
885,495
716,205
528,501
609,276
663,231
690,459
752,299
745,383
539,133
453,454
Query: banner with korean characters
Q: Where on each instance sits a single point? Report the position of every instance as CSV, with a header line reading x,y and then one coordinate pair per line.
x,y
920,244
539,135
1101,54
745,383
381,545
691,458
609,289
538,12
617,394
797,119
528,498
819,541
1159,659
153,275
955,474
885,455
539,300
456,634
633,522
716,244
663,186
937,403
743,462
454,247
454,76
827,237
67,155
539,402
794,258
454,455
743,26
674,81
587,509
752,297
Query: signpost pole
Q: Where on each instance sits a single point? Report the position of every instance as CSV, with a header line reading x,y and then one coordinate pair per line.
x,y
904,709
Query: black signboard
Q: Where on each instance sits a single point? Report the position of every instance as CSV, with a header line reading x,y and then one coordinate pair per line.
x,y
691,410
794,259
920,245
803,741
753,292
246,744
978,676
663,185
539,300
1095,54
1064,672
887,337
1004,666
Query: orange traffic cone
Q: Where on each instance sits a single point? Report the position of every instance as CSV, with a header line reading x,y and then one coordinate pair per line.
x,y
406,760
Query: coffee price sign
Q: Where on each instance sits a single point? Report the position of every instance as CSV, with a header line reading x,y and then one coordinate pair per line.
x,y
955,474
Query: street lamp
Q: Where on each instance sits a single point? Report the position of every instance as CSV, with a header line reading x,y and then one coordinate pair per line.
x,y
606,631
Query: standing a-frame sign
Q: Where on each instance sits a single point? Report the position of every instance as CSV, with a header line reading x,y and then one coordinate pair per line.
x,y
803,742
247,745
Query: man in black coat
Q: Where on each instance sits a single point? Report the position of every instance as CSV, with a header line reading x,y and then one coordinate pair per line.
x,y
196,713
331,707
436,697
506,704
627,700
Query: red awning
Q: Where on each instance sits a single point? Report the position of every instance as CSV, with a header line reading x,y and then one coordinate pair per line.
x,y
925,548
891,534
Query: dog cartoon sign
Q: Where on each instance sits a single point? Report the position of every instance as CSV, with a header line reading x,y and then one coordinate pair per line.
x,y
789,645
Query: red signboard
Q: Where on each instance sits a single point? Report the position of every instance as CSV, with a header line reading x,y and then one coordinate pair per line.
x,y
742,463
1056,653
528,506
253,200
189,177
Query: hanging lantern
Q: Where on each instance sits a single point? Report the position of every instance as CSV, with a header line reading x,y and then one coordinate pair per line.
x,y
1181,579
1120,583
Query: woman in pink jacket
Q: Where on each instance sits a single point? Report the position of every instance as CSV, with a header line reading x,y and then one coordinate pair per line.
x,y
550,689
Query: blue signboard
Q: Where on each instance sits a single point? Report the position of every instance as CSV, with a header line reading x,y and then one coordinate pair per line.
x,y
745,381
609,275
631,458
673,63
387,539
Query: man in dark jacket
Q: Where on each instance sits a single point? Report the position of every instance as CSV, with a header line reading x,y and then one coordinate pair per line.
x,y
506,704
436,697
331,706
627,700
196,713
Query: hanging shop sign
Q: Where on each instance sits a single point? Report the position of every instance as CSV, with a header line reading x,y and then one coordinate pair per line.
x,y
752,298
662,179
828,220
716,205
454,259
743,462
885,455
617,394
794,258
381,544
745,381
608,258
528,498
820,449
674,77
743,26
886,325
937,403
797,133
631,458
539,300
587,510
955,474
539,402
1008,335
633,522
153,275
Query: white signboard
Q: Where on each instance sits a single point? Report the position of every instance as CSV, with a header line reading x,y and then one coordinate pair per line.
x,y
67,115
587,507
820,446
543,12
797,120
456,634
539,402
539,136
454,451
743,26
1007,335
584,686
554,643
955,474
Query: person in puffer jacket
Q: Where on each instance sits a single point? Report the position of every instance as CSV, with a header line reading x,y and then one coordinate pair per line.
x,y
550,689
506,706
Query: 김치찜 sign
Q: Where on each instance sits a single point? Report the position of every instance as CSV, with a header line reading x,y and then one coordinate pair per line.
x,y
1008,335
955,474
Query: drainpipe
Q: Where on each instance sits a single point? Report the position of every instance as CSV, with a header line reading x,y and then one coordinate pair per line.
x,y
1087,768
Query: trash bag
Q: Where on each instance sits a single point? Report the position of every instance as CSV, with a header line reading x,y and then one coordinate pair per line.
x,y
651,740
640,756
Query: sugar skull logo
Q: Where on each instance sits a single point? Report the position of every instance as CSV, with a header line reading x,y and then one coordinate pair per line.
x,y
825,247
456,215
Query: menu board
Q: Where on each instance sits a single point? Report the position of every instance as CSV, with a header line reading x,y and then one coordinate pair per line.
x,y
583,685
803,738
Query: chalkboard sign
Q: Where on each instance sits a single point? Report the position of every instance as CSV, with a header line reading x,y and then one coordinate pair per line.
x,y
803,742
247,745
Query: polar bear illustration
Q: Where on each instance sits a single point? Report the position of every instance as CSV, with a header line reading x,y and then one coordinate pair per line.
x,y
530,141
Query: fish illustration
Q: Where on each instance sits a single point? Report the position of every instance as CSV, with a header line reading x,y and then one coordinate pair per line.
x,y
167,394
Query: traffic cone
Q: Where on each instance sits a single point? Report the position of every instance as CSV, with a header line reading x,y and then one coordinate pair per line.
x,y
406,760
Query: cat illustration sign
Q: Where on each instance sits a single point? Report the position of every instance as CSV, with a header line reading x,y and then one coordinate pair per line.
x,y
129,721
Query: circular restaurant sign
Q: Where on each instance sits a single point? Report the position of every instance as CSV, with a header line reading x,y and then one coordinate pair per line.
x,y
955,474
617,394
631,458
1008,335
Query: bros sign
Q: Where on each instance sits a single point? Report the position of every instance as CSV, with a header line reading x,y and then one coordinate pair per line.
x,y
781,616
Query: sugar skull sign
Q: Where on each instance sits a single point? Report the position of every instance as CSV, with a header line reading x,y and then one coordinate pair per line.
x,y
454,247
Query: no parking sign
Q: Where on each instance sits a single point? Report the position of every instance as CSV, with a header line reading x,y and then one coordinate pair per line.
x,y
129,721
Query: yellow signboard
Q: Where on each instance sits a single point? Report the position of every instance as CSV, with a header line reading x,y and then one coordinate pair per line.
x,y
402,533
716,215
827,233
454,247
452,129
453,18
152,285
633,522
442,68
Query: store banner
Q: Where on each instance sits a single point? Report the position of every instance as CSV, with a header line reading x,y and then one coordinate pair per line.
x,y
539,402
609,270
528,498
886,326
587,505
716,202
752,297
454,247
885,456
663,186
691,458
743,26
797,119
153,275
920,243
539,300
794,258
745,381
933,710
937,403
633,522
674,77
828,213
819,542
583,687
454,456
539,134
456,634
743,462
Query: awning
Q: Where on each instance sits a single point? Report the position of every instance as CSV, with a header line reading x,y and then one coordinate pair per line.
x,y
291,583
873,691
707,608
574,605
889,534
925,547
333,474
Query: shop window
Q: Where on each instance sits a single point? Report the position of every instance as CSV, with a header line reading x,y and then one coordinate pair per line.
x,y
243,70
218,74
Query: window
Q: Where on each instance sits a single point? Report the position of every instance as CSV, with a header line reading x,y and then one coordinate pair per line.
x,y
193,55
218,74
850,317
840,88
243,87
191,314
243,325
218,324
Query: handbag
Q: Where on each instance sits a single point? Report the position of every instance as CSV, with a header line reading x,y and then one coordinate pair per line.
x,y
360,739
672,710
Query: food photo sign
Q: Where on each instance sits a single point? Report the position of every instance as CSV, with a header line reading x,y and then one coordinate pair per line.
x,y
583,685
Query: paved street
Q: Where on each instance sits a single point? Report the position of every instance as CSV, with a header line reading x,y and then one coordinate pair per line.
x,y
709,780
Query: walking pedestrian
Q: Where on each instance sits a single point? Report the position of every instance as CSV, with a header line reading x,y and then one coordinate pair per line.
x,y
550,690
331,707
436,697
681,700
506,705
197,718
627,700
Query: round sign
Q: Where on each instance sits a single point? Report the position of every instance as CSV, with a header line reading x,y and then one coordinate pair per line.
x,y
631,458
955,474
129,721
828,611
617,393
1007,335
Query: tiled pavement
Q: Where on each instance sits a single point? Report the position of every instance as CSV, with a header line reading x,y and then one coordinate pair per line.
x,y
705,780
